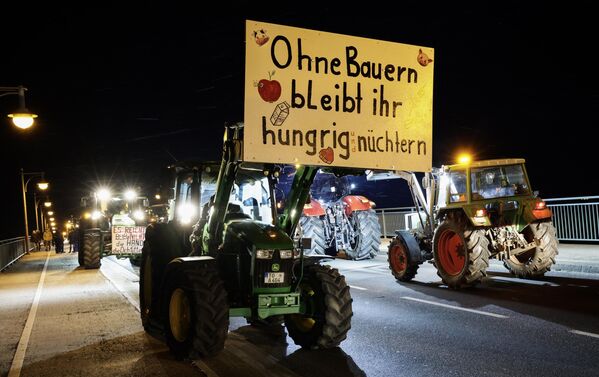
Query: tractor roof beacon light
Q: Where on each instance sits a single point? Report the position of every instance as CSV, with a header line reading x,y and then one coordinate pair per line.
x,y
464,158
22,118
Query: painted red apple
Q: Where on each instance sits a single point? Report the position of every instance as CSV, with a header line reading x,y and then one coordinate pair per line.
x,y
269,90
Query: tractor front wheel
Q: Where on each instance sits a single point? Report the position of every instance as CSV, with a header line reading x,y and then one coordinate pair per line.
x,y
537,261
92,249
461,255
328,309
196,312
400,264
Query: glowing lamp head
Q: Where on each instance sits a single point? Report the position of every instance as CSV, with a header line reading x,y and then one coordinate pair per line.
x,y
47,204
22,120
43,185
464,158
103,194
130,195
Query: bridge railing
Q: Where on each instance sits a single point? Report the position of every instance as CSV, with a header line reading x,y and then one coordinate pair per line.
x,y
10,251
575,218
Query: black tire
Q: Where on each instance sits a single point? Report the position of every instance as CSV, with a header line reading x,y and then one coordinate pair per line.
x,y
208,313
80,257
92,249
368,235
461,254
400,263
536,262
313,227
145,286
328,305
161,245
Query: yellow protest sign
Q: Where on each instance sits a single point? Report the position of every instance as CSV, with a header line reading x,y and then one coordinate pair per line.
x,y
319,98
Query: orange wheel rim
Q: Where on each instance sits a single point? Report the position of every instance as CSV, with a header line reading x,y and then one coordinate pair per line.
x,y
398,259
451,252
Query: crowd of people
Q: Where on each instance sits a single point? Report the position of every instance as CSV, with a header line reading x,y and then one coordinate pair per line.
x,y
47,239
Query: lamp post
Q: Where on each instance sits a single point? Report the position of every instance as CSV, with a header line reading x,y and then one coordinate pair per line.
x,y
22,118
42,185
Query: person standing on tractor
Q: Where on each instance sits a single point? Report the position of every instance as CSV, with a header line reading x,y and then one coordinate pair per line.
x,y
47,239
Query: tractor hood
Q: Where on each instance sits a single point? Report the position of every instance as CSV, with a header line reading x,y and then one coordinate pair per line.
x,y
259,234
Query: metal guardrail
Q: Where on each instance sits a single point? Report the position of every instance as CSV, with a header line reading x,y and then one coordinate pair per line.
x,y
575,218
10,251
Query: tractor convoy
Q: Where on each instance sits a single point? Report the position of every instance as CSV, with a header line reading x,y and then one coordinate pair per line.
x,y
232,241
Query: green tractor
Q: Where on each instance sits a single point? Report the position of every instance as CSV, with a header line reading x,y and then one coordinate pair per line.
x,y
237,260
473,212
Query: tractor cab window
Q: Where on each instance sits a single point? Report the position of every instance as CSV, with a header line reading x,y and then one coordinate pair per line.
x,y
252,195
457,186
498,182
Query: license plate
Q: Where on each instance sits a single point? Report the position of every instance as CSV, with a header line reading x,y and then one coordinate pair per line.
x,y
274,277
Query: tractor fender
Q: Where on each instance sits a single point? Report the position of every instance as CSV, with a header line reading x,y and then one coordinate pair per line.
x,y
181,264
411,244
313,209
356,203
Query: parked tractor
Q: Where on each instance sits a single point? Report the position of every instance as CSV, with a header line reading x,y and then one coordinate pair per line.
x,y
473,212
237,260
338,222
111,225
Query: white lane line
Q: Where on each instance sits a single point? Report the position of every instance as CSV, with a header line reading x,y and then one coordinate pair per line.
x,y
525,281
358,288
17,361
593,335
455,307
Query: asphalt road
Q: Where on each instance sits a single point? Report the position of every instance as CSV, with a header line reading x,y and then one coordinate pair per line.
x,y
85,322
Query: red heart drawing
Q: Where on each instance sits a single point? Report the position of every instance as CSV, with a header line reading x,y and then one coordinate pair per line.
x,y
327,155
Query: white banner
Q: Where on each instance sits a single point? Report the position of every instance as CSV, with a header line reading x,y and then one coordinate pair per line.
x,y
127,239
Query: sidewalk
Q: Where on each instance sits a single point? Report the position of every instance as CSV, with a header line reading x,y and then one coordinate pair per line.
x,y
571,257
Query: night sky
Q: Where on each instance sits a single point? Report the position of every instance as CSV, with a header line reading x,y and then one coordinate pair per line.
x,y
121,93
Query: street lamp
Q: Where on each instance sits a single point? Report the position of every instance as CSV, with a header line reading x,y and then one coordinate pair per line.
x,y
42,185
21,118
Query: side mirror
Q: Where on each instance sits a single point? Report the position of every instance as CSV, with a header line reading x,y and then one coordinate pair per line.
x,y
535,193
146,202
83,202
171,193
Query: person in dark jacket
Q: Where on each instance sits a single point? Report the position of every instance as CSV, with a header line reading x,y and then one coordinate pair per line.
x,y
58,242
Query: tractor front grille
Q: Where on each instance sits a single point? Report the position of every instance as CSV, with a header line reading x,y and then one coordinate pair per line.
x,y
265,265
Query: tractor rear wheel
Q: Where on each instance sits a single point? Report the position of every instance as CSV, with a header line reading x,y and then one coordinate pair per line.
x,y
400,262
461,255
313,227
92,249
537,261
367,232
196,312
328,303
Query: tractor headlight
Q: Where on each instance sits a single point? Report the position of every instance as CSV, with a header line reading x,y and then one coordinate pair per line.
x,y
264,254
186,212
286,254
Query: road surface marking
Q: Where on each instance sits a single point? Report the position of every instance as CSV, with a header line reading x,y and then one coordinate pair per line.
x,y
358,288
113,278
456,307
525,281
17,361
585,333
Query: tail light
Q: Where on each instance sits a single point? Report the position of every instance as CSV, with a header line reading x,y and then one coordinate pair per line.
x,y
540,205
480,213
